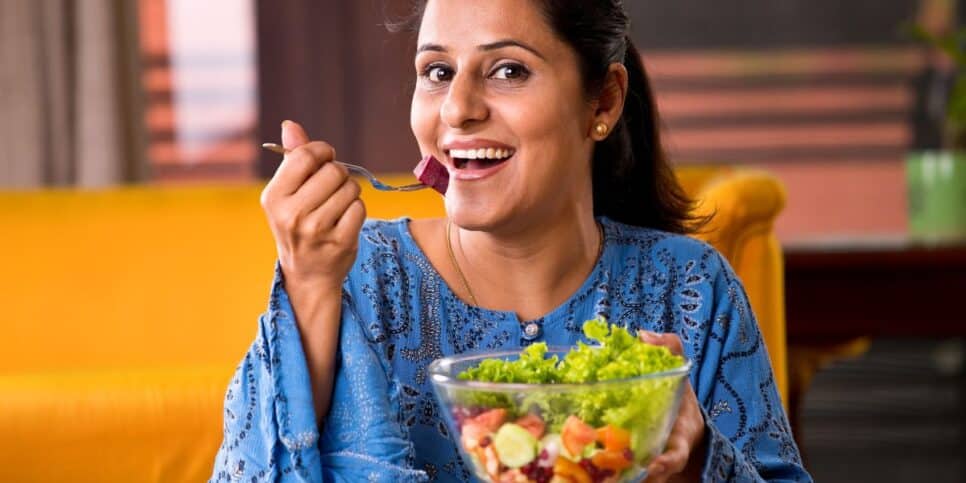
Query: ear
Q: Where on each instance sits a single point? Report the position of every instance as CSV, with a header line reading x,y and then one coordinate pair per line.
x,y
609,106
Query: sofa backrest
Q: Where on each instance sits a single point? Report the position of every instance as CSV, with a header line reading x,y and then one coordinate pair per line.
x,y
162,276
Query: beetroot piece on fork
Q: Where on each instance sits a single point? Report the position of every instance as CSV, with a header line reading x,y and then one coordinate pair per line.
x,y
432,173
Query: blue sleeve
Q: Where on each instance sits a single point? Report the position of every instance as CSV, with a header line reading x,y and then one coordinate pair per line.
x,y
364,438
269,421
270,433
747,432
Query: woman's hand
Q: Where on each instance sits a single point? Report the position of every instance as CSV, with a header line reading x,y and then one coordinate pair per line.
x,y
683,457
314,212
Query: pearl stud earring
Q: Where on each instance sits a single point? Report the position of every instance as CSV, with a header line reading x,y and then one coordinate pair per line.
x,y
601,130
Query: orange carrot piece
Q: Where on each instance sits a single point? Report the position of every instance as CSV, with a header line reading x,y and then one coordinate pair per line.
x,y
569,469
611,460
614,438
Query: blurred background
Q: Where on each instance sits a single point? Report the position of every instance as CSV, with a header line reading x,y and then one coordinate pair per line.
x,y
848,104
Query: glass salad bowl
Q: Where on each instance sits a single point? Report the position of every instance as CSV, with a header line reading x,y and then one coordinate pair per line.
x,y
602,431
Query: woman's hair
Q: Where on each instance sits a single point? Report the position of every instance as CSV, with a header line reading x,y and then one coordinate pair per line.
x,y
633,182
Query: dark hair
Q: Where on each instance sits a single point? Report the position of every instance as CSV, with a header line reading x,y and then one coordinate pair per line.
x,y
633,182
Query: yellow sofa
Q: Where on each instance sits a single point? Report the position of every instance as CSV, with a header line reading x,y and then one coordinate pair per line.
x,y
125,311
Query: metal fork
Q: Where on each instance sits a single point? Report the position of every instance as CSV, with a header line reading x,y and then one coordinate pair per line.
x,y
379,185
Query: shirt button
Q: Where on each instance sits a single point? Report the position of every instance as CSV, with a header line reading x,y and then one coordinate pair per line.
x,y
531,331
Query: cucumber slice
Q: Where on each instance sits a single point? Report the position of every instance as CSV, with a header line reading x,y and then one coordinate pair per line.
x,y
514,445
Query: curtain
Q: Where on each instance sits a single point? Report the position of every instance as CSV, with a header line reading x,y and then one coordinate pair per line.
x,y
70,97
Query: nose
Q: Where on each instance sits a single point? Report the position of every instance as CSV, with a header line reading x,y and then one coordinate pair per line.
x,y
464,103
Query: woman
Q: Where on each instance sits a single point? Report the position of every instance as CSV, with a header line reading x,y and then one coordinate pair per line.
x,y
560,208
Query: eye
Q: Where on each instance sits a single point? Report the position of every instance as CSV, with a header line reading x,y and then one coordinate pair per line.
x,y
437,73
510,71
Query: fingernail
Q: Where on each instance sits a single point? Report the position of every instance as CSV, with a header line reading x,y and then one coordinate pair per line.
x,y
283,123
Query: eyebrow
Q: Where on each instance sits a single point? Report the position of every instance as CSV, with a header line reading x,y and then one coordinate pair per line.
x,y
499,44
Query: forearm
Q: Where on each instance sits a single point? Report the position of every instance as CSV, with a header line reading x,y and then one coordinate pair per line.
x,y
270,429
287,383
317,313
747,433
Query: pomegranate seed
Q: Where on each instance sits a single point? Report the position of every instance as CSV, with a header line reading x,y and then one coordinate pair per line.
x,y
628,454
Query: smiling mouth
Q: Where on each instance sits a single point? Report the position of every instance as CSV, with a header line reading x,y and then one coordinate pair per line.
x,y
476,159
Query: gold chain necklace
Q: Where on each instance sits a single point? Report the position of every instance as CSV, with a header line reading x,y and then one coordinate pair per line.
x,y
459,271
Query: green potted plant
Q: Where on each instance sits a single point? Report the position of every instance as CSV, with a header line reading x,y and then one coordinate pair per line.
x,y
936,170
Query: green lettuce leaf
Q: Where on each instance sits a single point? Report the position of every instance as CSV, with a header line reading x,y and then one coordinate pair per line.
x,y
640,406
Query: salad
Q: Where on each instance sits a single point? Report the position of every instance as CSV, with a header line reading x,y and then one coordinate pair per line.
x,y
567,430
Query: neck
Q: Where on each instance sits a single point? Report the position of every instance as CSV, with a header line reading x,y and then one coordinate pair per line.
x,y
532,269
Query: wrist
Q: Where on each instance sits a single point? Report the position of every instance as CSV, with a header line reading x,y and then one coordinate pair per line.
x,y
314,302
309,296
315,288
296,283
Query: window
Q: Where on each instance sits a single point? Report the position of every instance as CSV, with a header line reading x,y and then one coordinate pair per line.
x,y
200,81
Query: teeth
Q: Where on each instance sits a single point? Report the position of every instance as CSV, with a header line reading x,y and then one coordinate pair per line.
x,y
482,153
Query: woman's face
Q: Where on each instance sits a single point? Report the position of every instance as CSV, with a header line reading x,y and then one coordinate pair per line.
x,y
500,102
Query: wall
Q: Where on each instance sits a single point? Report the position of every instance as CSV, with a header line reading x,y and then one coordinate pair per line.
x,y
822,93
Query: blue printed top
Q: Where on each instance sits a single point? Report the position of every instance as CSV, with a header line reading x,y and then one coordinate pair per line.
x,y
398,315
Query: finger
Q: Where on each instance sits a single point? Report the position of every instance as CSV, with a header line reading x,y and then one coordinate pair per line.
x,y
293,135
348,227
299,165
669,340
320,186
675,457
650,337
332,210
656,474
671,462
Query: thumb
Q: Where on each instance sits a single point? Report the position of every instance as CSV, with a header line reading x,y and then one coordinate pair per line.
x,y
293,135
669,340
